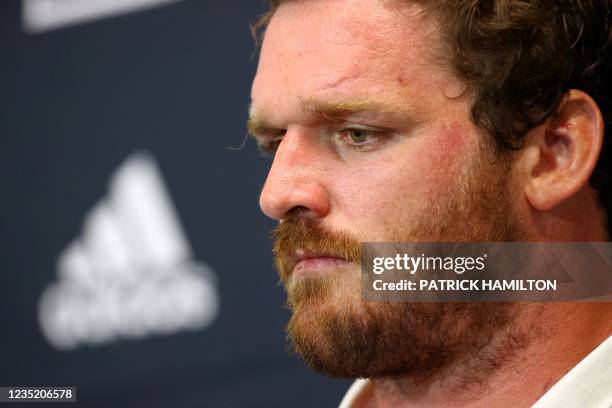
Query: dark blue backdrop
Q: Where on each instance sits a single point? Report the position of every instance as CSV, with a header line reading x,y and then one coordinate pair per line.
x,y
74,103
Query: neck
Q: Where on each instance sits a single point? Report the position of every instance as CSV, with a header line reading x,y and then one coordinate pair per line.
x,y
517,365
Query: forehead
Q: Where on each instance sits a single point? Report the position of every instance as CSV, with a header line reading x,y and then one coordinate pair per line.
x,y
345,48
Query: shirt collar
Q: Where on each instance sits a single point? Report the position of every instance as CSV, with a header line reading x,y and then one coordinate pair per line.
x,y
588,384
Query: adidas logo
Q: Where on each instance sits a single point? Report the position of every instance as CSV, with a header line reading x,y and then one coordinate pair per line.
x,y
43,15
131,274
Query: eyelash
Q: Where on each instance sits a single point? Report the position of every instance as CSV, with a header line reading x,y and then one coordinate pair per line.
x,y
344,135
269,146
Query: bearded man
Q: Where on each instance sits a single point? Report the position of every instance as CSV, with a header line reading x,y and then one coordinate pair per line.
x,y
437,121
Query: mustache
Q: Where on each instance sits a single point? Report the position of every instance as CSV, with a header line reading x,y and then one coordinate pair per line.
x,y
297,233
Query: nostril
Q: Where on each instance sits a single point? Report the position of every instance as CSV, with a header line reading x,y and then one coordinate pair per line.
x,y
307,200
298,212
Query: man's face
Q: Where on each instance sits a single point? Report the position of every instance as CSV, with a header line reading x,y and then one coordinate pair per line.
x,y
373,143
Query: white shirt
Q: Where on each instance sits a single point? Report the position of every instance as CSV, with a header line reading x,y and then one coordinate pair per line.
x,y
587,385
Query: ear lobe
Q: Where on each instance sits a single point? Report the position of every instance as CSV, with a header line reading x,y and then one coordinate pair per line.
x,y
562,153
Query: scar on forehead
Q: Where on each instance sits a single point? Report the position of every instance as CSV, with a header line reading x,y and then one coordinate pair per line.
x,y
334,83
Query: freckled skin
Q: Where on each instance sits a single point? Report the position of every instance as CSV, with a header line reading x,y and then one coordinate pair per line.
x,y
364,49
343,53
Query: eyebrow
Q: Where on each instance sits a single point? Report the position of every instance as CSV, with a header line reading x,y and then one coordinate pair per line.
x,y
256,124
337,110
334,110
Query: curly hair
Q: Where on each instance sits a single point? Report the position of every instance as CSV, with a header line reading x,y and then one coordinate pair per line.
x,y
519,58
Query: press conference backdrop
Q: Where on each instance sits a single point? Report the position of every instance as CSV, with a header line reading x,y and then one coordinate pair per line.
x,y
135,263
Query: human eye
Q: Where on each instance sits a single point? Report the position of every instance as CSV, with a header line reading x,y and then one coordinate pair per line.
x,y
360,138
268,144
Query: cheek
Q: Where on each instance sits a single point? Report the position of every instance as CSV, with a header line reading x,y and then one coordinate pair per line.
x,y
443,155
404,181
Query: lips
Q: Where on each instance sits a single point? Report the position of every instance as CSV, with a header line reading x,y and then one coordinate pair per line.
x,y
312,263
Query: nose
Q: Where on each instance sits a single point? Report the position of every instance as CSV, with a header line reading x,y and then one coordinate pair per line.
x,y
295,180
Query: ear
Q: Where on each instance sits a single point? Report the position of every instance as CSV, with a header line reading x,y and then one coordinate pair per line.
x,y
561,154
